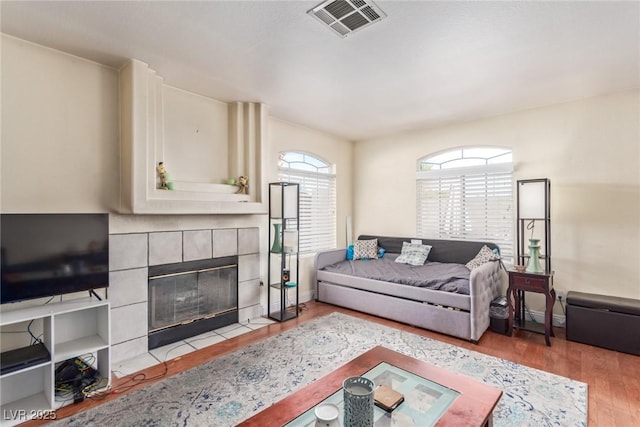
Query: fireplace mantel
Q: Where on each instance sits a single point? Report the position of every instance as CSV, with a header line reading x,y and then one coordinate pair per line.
x,y
146,135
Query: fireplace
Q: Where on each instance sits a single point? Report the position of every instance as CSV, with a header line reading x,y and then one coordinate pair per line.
x,y
190,298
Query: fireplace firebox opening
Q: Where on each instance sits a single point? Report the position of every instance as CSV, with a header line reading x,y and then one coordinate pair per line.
x,y
190,298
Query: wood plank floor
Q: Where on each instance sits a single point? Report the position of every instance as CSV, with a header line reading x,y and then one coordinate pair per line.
x,y
613,378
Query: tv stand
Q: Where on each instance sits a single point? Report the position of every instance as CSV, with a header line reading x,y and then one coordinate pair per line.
x,y
70,329
22,358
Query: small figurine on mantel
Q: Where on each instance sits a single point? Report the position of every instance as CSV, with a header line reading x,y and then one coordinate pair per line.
x,y
243,183
163,175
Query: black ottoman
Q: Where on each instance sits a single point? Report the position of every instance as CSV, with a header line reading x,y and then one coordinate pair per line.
x,y
604,321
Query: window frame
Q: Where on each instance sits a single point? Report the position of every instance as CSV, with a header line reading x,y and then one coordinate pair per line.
x,y
495,200
317,232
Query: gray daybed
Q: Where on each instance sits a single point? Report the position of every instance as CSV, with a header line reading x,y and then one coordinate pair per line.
x,y
456,306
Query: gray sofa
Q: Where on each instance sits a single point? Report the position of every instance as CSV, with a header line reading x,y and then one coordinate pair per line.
x,y
461,315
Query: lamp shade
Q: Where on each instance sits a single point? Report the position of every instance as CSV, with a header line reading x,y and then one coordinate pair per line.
x,y
284,196
290,241
531,199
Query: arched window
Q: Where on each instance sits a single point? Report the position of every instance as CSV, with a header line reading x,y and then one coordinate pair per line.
x,y
467,194
317,181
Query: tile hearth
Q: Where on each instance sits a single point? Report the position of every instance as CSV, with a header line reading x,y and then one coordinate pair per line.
x,y
180,348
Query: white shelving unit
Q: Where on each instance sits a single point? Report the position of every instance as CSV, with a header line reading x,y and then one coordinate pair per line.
x,y
69,329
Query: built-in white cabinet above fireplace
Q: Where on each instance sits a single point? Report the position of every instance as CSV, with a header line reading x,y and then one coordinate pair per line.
x,y
202,143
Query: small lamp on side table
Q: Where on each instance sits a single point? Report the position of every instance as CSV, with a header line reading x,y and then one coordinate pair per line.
x,y
533,205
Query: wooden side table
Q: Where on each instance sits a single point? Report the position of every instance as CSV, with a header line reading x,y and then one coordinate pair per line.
x,y
519,283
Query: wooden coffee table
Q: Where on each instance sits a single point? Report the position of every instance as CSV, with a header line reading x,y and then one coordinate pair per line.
x,y
472,405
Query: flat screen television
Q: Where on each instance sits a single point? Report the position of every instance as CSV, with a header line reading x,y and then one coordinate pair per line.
x,y
52,254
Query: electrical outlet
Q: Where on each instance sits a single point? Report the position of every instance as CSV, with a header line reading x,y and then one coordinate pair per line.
x,y
561,295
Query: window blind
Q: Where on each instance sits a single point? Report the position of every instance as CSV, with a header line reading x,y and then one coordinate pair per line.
x,y
317,208
471,203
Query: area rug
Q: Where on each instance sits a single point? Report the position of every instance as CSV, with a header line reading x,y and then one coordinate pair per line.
x,y
232,388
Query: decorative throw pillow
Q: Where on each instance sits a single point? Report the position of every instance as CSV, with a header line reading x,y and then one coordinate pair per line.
x,y
365,249
350,252
413,253
485,255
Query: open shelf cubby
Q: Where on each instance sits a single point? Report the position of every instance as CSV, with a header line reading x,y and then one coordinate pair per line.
x,y
69,329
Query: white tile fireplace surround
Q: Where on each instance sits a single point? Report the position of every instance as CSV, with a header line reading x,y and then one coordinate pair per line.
x,y
130,256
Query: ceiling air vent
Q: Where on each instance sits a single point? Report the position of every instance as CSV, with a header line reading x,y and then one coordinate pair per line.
x,y
347,16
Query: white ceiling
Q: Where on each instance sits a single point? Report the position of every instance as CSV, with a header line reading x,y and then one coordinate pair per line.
x,y
426,64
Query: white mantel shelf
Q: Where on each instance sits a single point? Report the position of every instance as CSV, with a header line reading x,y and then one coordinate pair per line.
x,y
199,202
142,139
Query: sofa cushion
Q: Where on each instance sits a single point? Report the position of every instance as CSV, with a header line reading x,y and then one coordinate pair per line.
x,y
413,253
484,255
365,249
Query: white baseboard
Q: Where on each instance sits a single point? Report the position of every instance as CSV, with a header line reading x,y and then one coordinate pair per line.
x,y
558,320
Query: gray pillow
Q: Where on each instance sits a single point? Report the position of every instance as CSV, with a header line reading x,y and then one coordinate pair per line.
x,y
413,253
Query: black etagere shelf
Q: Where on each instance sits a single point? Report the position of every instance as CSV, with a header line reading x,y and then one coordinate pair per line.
x,y
283,265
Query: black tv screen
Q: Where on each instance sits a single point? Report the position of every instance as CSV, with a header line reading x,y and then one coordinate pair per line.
x,y
52,254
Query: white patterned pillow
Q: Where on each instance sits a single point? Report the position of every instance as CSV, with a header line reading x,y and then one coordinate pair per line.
x,y
485,255
413,253
365,249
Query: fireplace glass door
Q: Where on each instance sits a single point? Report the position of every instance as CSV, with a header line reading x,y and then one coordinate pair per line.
x,y
181,298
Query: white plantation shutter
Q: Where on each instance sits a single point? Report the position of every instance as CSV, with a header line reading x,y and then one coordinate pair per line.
x,y
317,207
468,203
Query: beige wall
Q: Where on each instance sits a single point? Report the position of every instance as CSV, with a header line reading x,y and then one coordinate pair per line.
x,y
60,146
59,131
195,137
589,149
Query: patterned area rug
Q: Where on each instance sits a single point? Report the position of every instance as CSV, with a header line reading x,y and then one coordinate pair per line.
x,y
232,388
